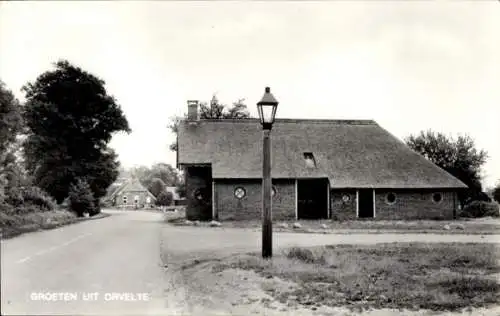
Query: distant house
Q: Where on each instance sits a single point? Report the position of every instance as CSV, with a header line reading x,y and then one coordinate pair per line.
x,y
341,169
132,194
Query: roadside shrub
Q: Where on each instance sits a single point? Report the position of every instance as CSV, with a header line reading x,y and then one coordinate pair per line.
x,y
7,220
6,208
477,209
14,196
81,198
97,208
26,208
36,196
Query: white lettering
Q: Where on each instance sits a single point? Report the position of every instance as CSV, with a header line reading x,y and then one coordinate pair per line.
x,y
90,296
126,296
53,296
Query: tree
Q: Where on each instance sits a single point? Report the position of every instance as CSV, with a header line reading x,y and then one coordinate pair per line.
x,y
496,192
81,199
459,157
214,111
181,189
168,174
70,120
165,198
156,186
10,127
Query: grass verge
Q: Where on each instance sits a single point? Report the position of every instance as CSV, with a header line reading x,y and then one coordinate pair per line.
x,y
14,225
439,277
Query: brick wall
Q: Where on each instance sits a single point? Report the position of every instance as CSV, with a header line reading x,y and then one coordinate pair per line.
x,y
250,207
409,204
198,178
415,205
340,209
131,199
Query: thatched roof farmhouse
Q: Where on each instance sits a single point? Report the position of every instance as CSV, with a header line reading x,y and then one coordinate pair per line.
x,y
320,169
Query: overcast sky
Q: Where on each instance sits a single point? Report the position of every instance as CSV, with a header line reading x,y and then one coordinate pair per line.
x,y
410,66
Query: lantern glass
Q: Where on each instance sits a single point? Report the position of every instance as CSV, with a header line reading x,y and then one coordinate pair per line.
x,y
267,109
267,113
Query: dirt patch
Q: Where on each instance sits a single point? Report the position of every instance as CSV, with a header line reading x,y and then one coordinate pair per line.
x,y
409,279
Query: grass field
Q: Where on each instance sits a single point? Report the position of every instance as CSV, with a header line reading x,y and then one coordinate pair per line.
x,y
413,276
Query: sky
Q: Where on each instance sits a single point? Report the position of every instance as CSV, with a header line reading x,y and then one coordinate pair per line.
x,y
410,65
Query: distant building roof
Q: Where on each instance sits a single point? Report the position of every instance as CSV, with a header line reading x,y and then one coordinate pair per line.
x,y
132,185
173,190
350,153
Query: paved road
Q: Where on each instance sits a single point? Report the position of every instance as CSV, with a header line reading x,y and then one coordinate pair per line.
x,y
127,253
118,254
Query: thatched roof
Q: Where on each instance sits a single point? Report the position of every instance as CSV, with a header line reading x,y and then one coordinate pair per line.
x,y
350,153
132,186
173,190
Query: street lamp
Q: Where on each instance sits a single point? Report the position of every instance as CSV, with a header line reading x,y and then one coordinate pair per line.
x,y
267,111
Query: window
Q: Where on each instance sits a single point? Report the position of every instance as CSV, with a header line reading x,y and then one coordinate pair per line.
x,y
310,162
124,199
239,193
346,198
390,198
437,197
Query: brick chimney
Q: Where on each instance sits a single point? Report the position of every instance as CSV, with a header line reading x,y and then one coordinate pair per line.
x,y
192,110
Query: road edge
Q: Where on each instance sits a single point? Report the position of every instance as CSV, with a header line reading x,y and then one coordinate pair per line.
x,y
48,226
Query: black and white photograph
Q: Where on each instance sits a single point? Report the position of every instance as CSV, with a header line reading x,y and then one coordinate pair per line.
x,y
333,158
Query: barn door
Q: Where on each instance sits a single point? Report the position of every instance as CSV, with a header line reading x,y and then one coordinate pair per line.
x,y
366,207
312,199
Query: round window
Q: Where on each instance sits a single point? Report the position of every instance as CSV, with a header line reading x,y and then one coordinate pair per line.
x,y
240,193
273,191
390,198
437,197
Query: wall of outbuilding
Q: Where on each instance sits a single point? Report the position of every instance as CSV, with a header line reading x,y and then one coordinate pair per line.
x,y
222,204
417,204
408,205
229,207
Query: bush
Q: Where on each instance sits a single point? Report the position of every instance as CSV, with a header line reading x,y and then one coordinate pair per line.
x,y
6,208
8,220
477,209
14,196
165,198
81,198
40,198
97,208
26,208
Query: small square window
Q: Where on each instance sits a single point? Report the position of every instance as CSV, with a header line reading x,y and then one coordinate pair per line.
x,y
310,161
